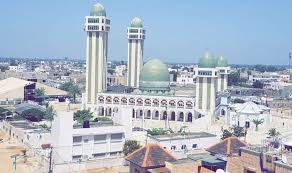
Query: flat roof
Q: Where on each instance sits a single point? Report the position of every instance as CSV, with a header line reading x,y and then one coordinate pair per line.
x,y
179,136
96,124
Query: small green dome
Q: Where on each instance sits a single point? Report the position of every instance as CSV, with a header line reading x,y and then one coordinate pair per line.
x,y
97,10
207,61
154,76
136,23
222,62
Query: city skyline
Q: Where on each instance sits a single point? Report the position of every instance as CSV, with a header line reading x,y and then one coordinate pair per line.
x,y
246,32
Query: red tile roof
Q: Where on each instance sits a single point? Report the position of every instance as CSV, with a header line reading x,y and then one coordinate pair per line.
x,y
228,146
151,155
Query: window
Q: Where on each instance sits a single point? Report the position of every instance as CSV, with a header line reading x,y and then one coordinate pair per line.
x,y
85,140
117,137
99,138
98,155
183,147
173,147
136,170
194,145
76,157
77,139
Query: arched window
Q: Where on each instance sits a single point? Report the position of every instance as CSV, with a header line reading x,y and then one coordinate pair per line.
x,y
223,112
172,118
190,117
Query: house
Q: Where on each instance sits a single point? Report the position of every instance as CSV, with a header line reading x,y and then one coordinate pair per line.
x,y
151,157
228,150
243,114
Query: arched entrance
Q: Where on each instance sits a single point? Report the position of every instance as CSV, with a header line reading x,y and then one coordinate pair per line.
x,y
190,117
181,116
172,116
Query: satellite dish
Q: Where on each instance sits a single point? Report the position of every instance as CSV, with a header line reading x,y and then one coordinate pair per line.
x,y
284,159
220,171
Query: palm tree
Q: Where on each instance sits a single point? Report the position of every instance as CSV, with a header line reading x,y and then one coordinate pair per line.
x,y
50,114
273,133
257,122
72,88
82,116
39,92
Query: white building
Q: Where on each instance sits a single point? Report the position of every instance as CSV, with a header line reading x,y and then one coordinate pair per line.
x,y
243,114
97,26
184,142
136,37
185,78
98,146
17,68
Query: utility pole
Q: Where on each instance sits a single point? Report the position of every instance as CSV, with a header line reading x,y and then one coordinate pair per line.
x,y
50,166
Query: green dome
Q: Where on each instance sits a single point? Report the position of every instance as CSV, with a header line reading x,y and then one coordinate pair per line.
x,y
207,61
154,76
136,23
222,62
97,10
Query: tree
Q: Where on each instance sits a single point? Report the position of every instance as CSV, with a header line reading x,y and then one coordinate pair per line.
x,y
130,146
40,92
50,114
237,100
226,134
257,122
274,133
238,131
72,89
82,116
33,114
106,119
258,84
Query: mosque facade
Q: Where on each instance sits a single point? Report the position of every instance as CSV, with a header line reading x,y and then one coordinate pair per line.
x,y
152,97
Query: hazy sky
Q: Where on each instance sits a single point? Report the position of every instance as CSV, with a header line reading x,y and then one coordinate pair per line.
x,y
244,31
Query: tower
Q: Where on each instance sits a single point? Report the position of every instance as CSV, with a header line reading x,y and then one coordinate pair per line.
x,y
97,26
136,36
206,77
223,72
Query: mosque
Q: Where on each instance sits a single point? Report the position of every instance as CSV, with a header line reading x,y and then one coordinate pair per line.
x,y
152,97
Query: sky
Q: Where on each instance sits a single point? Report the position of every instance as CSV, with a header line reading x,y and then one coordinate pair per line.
x,y
179,31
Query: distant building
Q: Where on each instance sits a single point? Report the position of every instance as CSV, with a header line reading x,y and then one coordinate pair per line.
x,y
243,114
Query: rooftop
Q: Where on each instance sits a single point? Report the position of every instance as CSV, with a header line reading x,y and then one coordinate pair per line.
x,y
151,155
228,146
179,136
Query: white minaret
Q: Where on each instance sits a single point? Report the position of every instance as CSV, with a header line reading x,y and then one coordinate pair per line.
x,y
97,26
206,77
223,72
136,36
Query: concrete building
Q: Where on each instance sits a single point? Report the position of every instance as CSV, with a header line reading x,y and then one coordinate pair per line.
x,y
136,37
100,144
97,26
243,114
184,142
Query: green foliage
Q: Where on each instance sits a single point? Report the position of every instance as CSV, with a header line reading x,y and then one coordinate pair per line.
x,y
72,89
50,113
33,114
107,119
82,115
238,131
234,131
234,79
130,146
274,133
257,122
39,92
157,131
258,84
226,134
237,100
